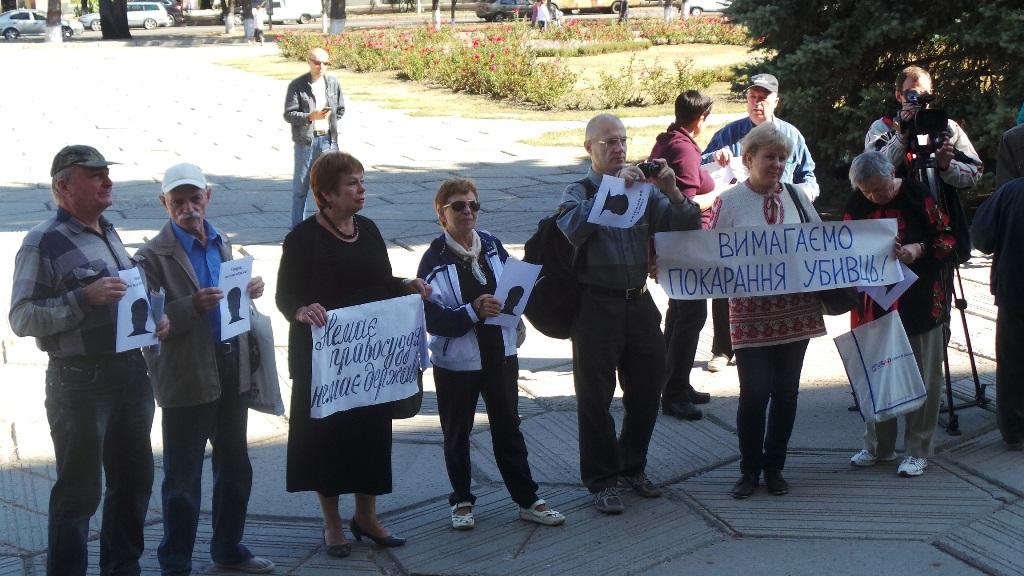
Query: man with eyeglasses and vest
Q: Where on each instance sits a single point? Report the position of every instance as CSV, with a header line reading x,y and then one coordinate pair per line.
x,y
618,326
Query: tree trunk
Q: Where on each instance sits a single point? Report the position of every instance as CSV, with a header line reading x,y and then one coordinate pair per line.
x,y
53,28
248,18
114,19
325,18
435,9
86,9
338,17
228,7
684,9
453,12
668,10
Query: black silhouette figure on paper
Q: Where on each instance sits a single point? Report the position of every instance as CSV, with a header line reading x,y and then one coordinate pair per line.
x,y
515,294
140,314
234,303
616,204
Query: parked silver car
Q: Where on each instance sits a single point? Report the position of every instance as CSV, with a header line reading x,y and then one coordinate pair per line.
x,y
147,15
14,23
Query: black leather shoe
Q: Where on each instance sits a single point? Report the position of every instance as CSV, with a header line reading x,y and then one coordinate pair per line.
x,y
699,397
684,410
775,483
745,486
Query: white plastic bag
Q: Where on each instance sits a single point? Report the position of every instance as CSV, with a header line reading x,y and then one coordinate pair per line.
x,y
882,369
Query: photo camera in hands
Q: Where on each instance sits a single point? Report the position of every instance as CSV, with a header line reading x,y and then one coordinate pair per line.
x,y
650,169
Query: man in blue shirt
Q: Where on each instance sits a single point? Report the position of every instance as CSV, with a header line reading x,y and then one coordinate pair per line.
x,y
199,381
762,99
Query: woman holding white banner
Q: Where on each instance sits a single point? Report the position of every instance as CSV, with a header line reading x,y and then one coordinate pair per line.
x,y
769,333
332,260
472,358
923,242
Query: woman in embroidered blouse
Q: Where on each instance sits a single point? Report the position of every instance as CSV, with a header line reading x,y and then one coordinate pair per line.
x,y
471,358
769,333
924,241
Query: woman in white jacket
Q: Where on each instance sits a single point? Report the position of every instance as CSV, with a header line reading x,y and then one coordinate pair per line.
x,y
471,358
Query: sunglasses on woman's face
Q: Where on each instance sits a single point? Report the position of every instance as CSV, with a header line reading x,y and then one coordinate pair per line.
x,y
460,205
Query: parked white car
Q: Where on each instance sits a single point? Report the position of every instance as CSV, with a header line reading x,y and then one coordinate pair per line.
x,y
146,15
14,23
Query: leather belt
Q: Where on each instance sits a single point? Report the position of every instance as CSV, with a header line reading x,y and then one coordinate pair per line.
x,y
627,294
320,133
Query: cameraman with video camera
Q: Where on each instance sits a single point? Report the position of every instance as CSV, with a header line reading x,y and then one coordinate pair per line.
x,y
923,143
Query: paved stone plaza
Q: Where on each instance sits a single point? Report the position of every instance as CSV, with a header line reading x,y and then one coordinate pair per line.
x,y
152,106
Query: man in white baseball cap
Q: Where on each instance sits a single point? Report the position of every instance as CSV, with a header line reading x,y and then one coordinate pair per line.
x,y
199,380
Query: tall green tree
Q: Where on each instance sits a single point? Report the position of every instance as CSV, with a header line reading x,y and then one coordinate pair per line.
x,y
837,62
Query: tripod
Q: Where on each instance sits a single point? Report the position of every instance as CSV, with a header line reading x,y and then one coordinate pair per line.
x,y
923,169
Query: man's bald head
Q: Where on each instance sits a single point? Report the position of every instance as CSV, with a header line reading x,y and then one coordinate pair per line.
x,y
606,143
317,58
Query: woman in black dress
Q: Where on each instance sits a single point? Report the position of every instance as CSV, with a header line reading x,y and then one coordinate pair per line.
x,y
333,260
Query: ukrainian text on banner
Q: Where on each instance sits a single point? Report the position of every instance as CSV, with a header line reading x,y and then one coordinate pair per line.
x,y
367,354
780,259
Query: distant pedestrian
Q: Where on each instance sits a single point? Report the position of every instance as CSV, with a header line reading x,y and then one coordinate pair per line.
x,y
998,229
623,11
259,18
99,403
313,106
543,14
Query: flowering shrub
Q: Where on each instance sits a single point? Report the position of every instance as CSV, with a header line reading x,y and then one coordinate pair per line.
x,y
500,60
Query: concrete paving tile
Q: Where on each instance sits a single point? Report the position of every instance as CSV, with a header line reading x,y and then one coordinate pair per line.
x,y
993,543
988,457
588,543
12,566
21,531
829,499
815,557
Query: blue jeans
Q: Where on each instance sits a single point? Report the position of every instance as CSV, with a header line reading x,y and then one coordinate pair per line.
x,y
185,431
305,155
768,375
100,411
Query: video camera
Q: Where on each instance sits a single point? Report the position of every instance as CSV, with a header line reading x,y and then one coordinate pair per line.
x,y
928,129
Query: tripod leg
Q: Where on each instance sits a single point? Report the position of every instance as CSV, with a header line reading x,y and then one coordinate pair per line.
x,y
961,304
953,422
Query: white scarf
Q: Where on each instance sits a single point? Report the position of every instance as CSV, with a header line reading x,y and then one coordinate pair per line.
x,y
471,256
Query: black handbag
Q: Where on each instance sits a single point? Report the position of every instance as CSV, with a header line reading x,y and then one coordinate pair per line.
x,y
835,301
409,406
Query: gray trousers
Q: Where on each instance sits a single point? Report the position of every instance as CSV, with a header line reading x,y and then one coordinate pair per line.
x,y
919,425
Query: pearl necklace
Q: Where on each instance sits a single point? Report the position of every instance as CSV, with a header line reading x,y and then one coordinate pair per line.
x,y
337,229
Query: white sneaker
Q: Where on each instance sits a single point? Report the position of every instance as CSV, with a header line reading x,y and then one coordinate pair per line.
x,y
463,521
912,466
718,363
865,458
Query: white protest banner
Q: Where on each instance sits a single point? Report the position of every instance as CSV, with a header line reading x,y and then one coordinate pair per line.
x,y
514,288
234,306
135,325
367,354
617,206
780,259
884,296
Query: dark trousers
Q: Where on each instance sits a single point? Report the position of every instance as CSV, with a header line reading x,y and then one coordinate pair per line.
x,y
683,323
769,379
1010,372
185,432
100,412
613,335
721,342
457,393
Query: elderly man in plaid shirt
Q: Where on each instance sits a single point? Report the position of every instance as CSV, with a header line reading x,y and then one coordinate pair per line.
x,y
99,403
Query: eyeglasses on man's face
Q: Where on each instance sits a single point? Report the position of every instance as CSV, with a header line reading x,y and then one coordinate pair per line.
x,y
615,141
460,205
315,62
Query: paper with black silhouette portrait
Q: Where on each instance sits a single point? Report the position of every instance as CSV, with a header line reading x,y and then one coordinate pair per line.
x,y
515,284
617,206
135,325
234,306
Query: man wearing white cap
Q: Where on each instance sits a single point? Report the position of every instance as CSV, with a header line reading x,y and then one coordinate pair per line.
x,y
198,381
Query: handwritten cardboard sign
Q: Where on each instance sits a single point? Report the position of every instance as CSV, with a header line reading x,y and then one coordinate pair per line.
x,y
367,354
779,259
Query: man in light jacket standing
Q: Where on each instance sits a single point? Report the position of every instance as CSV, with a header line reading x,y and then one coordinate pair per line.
x,y
313,106
199,380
